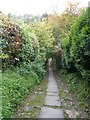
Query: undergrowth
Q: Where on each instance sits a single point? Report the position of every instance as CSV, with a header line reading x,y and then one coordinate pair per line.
x,y
78,87
15,87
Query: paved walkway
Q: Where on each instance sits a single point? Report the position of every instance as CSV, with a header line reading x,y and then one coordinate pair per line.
x,y
52,102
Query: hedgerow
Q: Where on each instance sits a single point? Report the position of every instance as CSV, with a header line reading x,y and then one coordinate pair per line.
x,y
25,49
76,46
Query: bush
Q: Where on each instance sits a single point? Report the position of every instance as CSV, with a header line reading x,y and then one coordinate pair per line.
x,y
76,47
24,51
39,69
15,87
11,40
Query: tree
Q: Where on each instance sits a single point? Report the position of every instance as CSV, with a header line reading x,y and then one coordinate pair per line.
x,y
61,24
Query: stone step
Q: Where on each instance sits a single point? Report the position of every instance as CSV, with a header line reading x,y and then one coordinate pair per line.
x,y
47,112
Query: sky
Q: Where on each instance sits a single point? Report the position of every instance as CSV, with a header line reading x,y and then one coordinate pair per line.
x,y
21,7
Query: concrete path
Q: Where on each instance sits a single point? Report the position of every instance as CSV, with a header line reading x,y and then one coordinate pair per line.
x,y
52,102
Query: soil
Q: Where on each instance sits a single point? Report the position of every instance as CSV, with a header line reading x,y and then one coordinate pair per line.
x,y
70,104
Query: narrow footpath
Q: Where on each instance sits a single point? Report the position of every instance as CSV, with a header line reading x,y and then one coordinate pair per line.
x,y
52,103
50,99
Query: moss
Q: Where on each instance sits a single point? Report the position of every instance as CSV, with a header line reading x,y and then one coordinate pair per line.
x,y
34,101
55,107
77,86
62,94
31,113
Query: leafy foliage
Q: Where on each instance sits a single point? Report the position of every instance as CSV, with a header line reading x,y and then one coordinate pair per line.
x,y
78,87
15,87
76,47
26,48
61,24
11,40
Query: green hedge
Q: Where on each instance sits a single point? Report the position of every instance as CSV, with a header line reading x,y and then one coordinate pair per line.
x,y
76,47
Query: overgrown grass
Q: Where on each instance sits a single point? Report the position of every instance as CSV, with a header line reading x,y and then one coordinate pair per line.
x,y
78,86
14,89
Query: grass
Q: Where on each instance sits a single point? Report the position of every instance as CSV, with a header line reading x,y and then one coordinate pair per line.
x,y
78,86
34,101
14,89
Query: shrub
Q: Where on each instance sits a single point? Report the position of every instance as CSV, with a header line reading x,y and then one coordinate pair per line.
x,y
15,87
76,47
